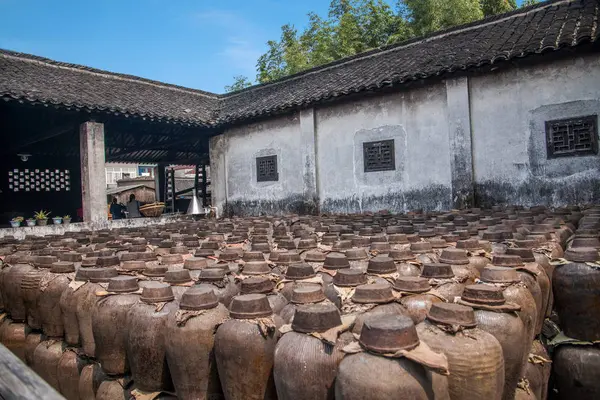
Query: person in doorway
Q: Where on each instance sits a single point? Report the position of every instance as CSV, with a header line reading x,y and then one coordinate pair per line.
x,y
133,207
116,209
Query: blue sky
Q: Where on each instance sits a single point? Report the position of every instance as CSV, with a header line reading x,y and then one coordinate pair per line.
x,y
200,44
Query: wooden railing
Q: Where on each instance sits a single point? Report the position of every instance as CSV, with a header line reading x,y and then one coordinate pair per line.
x,y
18,381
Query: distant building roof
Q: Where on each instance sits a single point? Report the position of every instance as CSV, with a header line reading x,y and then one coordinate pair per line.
x,y
121,189
542,28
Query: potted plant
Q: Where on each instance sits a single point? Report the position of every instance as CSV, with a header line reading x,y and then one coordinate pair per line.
x,y
31,221
16,222
42,217
57,220
66,219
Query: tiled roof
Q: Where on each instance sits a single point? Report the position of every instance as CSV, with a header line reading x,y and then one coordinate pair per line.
x,y
542,28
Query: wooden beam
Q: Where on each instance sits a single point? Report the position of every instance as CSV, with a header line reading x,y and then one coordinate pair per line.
x,y
60,130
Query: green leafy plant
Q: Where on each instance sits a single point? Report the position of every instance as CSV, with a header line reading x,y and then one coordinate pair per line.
x,y
67,217
18,219
40,215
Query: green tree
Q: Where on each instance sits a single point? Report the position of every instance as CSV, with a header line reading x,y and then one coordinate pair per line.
x,y
239,82
528,3
428,16
493,7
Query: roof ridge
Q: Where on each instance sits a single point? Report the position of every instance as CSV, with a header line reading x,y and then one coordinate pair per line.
x,y
410,42
96,71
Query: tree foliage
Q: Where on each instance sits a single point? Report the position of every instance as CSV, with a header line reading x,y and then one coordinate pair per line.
x,y
354,26
239,82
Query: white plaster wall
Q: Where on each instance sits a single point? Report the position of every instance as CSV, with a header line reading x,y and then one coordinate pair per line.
x,y
417,121
508,112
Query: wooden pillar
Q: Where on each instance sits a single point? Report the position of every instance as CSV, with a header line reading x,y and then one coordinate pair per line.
x,y
204,185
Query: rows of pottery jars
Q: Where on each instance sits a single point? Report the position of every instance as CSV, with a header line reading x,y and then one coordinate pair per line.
x,y
310,307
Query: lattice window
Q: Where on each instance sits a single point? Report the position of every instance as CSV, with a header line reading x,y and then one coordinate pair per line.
x,y
572,137
266,169
39,180
379,156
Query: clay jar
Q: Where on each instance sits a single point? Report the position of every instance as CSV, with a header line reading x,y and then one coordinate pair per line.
x,y
31,342
498,318
302,294
415,296
222,284
180,281
12,277
68,306
576,290
263,285
442,278
69,369
109,317
191,333
305,367
13,335
90,380
537,370
45,360
244,351
474,252
146,351
86,301
460,264
575,370
368,375
52,287
474,356
406,264
380,295
30,292
540,275
529,279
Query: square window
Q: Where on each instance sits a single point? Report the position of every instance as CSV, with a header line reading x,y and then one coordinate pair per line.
x,y
266,169
379,156
572,136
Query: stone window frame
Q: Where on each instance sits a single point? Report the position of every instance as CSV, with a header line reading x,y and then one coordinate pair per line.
x,y
265,176
381,164
573,130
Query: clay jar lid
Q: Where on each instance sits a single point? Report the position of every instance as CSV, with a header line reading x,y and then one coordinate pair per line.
x,y
156,292
437,271
70,256
314,256
373,293
356,254
101,275
582,254
257,285
253,256
155,270
274,254
421,247
411,284
107,261
256,268
89,262
179,250
81,275
204,253
385,333
468,244
438,243
171,259
579,241
380,246
139,241
483,294
506,260
336,261
452,314
212,274
198,298
307,244
195,263
360,241
349,278
45,261
230,255
493,236
166,244
288,258
526,243
451,237
316,318
133,265
525,254
401,255
123,284
381,265
454,257
248,306
300,271
262,247
398,238
493,274
177,276
210,245
306,294
62,267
